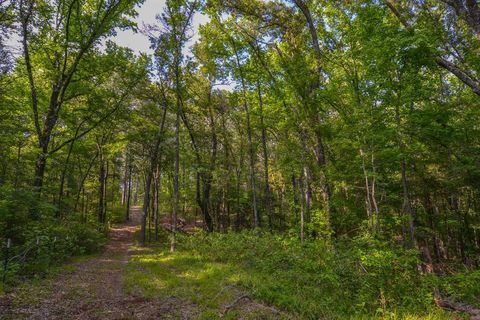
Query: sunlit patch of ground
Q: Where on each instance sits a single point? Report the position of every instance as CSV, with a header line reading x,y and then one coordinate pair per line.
x,y
215,288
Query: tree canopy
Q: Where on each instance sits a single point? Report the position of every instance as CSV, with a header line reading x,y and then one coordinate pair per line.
x,y
311,119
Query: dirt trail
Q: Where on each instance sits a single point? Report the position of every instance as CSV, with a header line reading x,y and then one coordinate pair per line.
x,y
93,290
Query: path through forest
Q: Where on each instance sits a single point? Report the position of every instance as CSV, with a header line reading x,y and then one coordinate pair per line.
x,y
93,289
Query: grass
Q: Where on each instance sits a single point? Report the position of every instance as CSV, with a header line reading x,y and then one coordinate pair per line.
x,y
211,286
282,278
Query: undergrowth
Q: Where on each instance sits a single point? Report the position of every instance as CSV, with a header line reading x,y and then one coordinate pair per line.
x,y
39,240
361,279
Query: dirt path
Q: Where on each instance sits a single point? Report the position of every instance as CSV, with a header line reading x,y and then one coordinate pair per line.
x,y
92,291
95,288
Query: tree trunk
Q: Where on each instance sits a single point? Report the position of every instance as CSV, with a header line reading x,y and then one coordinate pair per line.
x,y
40,166
157,182
406,206
101,190
149,175
256,218
84,178
267,196
146,203
302,208
129,191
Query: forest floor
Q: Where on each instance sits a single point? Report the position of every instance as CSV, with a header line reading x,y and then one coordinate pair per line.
x,y
104,287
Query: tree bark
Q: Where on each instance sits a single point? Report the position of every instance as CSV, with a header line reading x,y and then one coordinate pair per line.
x,y
129,191
268,195
150,173
256,218
101,189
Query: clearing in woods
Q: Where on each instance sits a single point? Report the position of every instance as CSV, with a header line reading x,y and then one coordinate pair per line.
x,y
104,287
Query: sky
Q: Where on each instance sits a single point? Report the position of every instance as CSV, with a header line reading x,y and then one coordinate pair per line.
x,y
136,41
146,15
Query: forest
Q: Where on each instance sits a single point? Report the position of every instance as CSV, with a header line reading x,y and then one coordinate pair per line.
x,y
283,159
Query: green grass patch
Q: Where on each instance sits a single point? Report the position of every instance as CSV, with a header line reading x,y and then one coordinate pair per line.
x,y
303,281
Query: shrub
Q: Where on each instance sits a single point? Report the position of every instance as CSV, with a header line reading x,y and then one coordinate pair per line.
x,y
38,239
356,277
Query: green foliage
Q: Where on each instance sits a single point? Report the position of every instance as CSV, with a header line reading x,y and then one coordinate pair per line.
x,y
462,287
353,117
360,278
383,276
118,214
38,241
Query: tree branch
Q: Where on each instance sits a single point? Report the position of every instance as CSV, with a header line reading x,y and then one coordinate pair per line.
x,y
462,75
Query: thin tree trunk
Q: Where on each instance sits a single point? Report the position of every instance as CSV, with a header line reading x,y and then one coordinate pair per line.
x,y
101,190
84,178
368,203
373,190
17,166
406,206
112,188
157,182
105,188
129,191
125,181
267,196
176,190
256,218
149,175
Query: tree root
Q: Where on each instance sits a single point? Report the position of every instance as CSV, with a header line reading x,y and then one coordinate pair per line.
x,y
235,302
246,297
446,303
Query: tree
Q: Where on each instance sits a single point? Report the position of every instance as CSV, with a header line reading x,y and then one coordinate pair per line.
x,y
67,46
176,21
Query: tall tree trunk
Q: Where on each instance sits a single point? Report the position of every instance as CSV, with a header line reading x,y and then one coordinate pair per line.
x,y
256,218
406,205
105,188
150,173
176,190
319,148
302,207
157,182
125,181
267,196
101,189
129,191
112,187
368,202
84,178
146,203
373,193
209,175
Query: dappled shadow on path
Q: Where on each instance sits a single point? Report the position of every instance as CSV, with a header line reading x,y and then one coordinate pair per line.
x,y
93,290
155,284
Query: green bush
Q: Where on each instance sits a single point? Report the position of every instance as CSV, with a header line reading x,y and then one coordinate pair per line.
x,y
118,215
317,279
463,287
38,239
